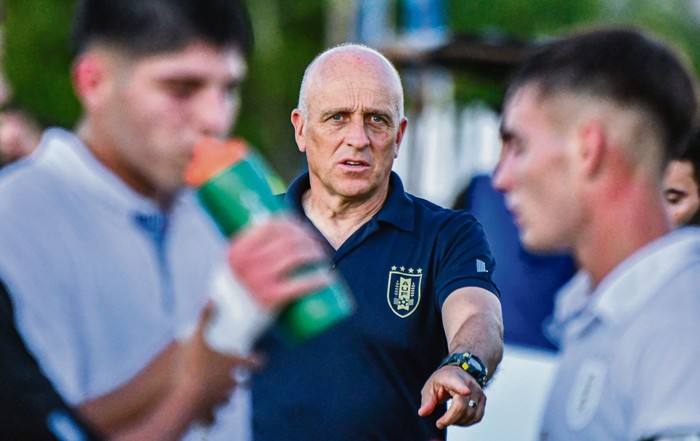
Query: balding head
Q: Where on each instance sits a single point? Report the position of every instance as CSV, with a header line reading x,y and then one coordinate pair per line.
x,y
350,125
338,59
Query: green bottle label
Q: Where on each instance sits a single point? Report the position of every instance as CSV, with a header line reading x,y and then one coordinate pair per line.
x,y
313,314
240,195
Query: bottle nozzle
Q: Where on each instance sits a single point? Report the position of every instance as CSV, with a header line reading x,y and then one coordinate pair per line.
x,y
212,156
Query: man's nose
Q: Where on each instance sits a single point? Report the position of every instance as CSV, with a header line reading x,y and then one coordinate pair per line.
x,y
502,179
357,133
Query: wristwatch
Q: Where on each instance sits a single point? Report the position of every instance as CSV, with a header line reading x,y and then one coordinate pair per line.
x,y
470,363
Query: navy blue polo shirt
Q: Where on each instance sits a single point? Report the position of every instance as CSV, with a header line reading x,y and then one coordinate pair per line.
x,y
361,380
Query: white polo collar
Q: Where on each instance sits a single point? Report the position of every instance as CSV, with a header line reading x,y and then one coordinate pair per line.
x,y
629,286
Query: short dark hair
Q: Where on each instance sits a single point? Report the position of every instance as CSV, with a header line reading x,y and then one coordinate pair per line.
x,y
620,64
144,27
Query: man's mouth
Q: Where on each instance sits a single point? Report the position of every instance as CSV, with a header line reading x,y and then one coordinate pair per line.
x,y
354,163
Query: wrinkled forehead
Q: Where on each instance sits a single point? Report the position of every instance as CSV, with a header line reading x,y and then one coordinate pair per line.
x,y
366,98
364,78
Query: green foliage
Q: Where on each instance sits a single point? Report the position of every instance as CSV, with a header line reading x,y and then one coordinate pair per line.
x,y
37,58
288,37
532,20
676,21
521,18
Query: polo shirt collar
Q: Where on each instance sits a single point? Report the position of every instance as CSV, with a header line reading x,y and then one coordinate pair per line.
x,y
398,209
629,286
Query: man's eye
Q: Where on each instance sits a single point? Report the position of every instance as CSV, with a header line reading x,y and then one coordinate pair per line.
x,y
182,90
673,197
511,146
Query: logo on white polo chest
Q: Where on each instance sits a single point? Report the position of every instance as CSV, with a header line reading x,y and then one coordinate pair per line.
x,y
585,394
404,290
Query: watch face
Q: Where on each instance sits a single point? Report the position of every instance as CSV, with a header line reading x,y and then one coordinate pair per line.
x,y
477,363
470,364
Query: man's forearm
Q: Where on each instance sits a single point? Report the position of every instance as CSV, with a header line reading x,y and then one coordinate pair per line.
x,y
168,422
127,405
473,322
481,335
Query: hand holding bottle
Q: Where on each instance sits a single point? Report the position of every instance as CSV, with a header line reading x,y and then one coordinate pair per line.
x,y
273,265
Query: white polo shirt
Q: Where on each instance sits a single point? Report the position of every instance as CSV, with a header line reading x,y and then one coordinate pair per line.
x,y
100,283
630,360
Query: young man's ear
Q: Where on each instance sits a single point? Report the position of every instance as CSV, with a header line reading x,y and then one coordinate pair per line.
x,y
88,75
594,143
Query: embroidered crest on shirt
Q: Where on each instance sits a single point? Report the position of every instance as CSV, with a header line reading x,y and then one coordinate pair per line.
x,y
585,394
403,292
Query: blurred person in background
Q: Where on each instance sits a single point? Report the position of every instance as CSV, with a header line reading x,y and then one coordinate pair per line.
x,y
589,123
199,379
681,184
107,258
530,280
528,283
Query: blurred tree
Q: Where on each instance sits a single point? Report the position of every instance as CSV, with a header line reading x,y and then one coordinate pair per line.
x,y
511,20
522,18
288,37
678,21
37,56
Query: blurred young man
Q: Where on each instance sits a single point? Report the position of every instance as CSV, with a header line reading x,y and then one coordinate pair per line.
x,y
106,256
588,125
421,276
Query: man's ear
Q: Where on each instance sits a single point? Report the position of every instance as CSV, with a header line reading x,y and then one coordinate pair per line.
x,y
89,74
399,135
593,147
298,121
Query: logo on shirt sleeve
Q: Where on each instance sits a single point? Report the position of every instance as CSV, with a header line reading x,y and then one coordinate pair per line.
x,y
404,290
481,266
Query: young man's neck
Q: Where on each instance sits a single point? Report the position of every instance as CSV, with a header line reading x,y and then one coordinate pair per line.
x,y
616,234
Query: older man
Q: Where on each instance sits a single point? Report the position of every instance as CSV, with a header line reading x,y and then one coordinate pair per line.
x,y
421,276
589,122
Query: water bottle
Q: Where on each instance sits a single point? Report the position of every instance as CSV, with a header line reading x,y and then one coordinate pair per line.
x,y
231,181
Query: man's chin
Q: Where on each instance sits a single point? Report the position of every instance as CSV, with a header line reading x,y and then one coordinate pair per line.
x,y
541,247
533,244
